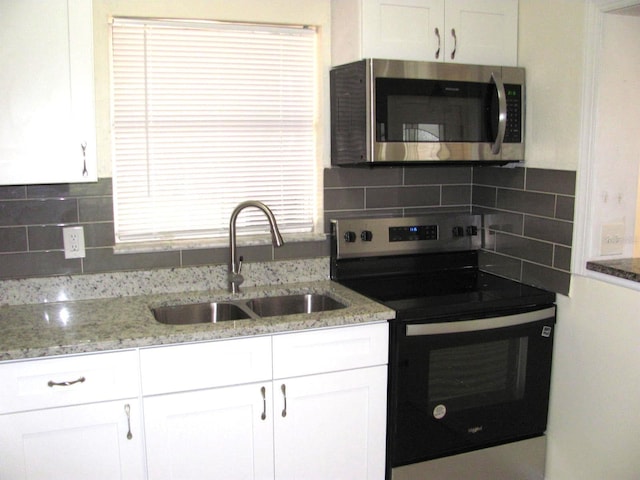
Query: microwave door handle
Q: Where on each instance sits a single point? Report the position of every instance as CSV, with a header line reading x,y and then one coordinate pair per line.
x,y
502,113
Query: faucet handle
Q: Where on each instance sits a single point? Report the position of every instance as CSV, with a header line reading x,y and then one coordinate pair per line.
x,y
240,264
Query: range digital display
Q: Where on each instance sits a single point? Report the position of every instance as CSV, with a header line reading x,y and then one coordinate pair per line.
x,y
413,233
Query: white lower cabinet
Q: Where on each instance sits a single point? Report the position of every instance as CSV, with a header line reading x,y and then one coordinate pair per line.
x,y
326,422
71,418
79,442
306,405
216,433
333,426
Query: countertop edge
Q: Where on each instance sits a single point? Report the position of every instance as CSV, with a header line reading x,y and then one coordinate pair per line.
x,y
624,268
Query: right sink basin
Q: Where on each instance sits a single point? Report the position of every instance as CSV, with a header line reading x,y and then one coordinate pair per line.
x,y
292,304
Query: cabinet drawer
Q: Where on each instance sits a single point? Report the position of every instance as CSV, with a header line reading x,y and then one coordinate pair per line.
x,y
55,382
205,365
330,350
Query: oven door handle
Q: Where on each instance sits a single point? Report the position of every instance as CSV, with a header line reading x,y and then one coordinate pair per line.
x,y
415,330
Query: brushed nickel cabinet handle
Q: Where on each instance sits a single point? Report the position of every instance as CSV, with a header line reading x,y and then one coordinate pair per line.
x,y
437,32
51,383
83,145
455,43
127,411
264,403
284,394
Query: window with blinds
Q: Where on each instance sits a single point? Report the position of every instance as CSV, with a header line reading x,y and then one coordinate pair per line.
x,y
207,115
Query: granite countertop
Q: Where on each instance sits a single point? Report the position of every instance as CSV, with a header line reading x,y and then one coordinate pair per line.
x,y
625,268
82,326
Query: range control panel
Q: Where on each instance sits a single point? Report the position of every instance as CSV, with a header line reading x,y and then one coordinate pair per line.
x,y
362,237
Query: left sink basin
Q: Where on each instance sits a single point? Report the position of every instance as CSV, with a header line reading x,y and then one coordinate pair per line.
x,y
199,313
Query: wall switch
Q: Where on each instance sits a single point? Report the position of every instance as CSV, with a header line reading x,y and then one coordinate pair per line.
x,y
73,242
612,239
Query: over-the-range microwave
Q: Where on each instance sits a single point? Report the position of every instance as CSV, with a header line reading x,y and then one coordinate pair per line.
x,y
393,111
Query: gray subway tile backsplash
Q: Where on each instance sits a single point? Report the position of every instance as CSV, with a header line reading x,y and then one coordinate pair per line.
x,y
526,202
551,181
535,208
527,224
402,197
13,239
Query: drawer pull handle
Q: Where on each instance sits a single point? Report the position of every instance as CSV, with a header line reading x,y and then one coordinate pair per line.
x,y
51,383
263,391
284,394
127,411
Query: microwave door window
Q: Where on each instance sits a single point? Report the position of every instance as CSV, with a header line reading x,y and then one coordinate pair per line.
x,y
431,111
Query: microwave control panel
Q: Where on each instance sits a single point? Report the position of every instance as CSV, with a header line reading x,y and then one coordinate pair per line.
x,y
513,132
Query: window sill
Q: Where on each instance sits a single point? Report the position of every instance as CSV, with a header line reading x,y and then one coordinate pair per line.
x,y
197,244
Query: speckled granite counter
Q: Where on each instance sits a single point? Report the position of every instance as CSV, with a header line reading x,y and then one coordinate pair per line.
x,y
625,268
59,328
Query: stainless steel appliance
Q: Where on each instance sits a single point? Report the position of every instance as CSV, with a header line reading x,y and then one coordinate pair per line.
x,y
469,355
392,111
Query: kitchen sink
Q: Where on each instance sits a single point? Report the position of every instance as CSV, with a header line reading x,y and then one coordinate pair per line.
x,y
292,304
199,313
245,309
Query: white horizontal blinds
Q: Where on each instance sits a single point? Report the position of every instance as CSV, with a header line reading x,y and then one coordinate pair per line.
x,y
207,115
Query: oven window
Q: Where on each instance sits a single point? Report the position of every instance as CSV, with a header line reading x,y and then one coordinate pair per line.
x,y
478,374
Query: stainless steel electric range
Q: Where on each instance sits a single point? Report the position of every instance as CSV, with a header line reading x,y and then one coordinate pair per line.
x,y
470,352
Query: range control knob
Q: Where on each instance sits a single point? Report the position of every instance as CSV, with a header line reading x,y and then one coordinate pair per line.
x,y
349,237
458,232
472,230
366,235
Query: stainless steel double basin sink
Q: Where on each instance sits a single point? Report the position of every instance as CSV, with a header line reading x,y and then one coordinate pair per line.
x,y
252,308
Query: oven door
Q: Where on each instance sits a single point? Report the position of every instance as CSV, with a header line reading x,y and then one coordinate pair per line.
x,y
464,384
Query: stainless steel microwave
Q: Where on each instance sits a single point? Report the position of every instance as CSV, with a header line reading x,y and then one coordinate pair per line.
x,y
405,112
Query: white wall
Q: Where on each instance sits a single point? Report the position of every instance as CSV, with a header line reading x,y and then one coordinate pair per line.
x,y
595,404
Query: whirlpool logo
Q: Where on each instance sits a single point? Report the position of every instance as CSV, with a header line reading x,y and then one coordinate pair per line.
x,y
475,429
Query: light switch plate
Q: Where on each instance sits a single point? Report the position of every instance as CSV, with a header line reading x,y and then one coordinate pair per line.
x,y
612,239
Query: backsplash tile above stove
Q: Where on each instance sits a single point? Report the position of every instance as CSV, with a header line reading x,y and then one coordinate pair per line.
x,y
528,223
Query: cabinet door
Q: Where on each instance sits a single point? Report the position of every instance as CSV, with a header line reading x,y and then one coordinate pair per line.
x,y
217,433
80,442
47,106
486,32
403,29
331,426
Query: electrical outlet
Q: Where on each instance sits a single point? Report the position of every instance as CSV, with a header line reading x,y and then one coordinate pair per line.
x,y
73,242
612,239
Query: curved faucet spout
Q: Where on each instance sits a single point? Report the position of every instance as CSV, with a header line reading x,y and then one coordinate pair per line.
x,y
235,266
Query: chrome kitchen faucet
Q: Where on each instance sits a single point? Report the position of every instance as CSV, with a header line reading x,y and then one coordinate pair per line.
x,y
234,276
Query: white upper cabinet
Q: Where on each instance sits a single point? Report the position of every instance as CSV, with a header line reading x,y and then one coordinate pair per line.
x,y
461,31
47,106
